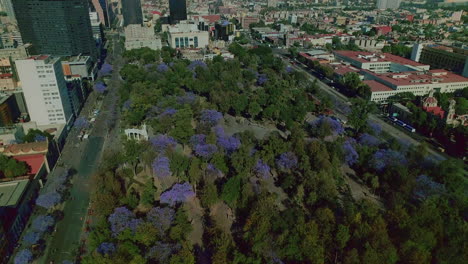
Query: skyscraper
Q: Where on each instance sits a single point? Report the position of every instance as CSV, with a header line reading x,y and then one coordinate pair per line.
x,y
56,27
131,11
177,10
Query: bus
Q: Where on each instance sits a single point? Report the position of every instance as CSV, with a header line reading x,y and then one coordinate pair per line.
x,y
410,128
400,123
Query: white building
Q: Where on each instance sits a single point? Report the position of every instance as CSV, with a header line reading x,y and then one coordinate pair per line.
x,y
185,35
95,25
388,4
418,83
379,63
45,90
138,36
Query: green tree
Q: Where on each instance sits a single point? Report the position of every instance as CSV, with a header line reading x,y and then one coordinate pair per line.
x,y
10,168
147,197
359,112
132,152
209,194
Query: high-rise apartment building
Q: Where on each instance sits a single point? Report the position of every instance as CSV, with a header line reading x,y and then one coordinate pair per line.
x,y
177,10
388,4
45,89
56,27
131,11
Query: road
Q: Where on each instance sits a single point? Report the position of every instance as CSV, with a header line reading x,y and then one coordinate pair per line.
x,y
85,157
343,101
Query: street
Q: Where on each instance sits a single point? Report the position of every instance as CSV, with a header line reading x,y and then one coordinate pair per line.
x,y
85,157
391,130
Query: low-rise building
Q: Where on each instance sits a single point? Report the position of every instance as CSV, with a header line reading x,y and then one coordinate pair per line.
x,y
420,83
138,36
184,35
18,53
442,57
379,63
82,66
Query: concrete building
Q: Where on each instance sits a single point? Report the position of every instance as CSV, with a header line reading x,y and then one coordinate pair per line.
x,y
420,83
186,35
441,57
9,110
15,209
379,63
96,26
131,11
81,66
247,20
45,90
18,53
138,36
388,4
58,28
369,44
272,3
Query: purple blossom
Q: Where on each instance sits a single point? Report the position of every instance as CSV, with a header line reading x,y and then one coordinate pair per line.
x,y
162,142
161,167
286,160
48,200
261,78
196,64
161,218
375,128
198,139
100,87
127,105
81,123
40,138
205,150
210,168
426,187
162,67
187,98
23,257
384,158
210,117
42,223
148,66
31,238
335,126
106,248
349,151
289,69
262,169
368,140
67,262
123,219
163,251
230,144
168,112
180,192
106,69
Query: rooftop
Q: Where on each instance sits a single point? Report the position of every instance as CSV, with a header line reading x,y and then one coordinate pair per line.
x,y
368,57
11,192
377,87
35,162
26,148
415,78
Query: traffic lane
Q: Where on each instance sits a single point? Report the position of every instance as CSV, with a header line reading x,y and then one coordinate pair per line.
x,y
393,131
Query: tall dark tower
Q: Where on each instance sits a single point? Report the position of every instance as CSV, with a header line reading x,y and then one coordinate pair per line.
x,y
131,11
177,10
56,27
